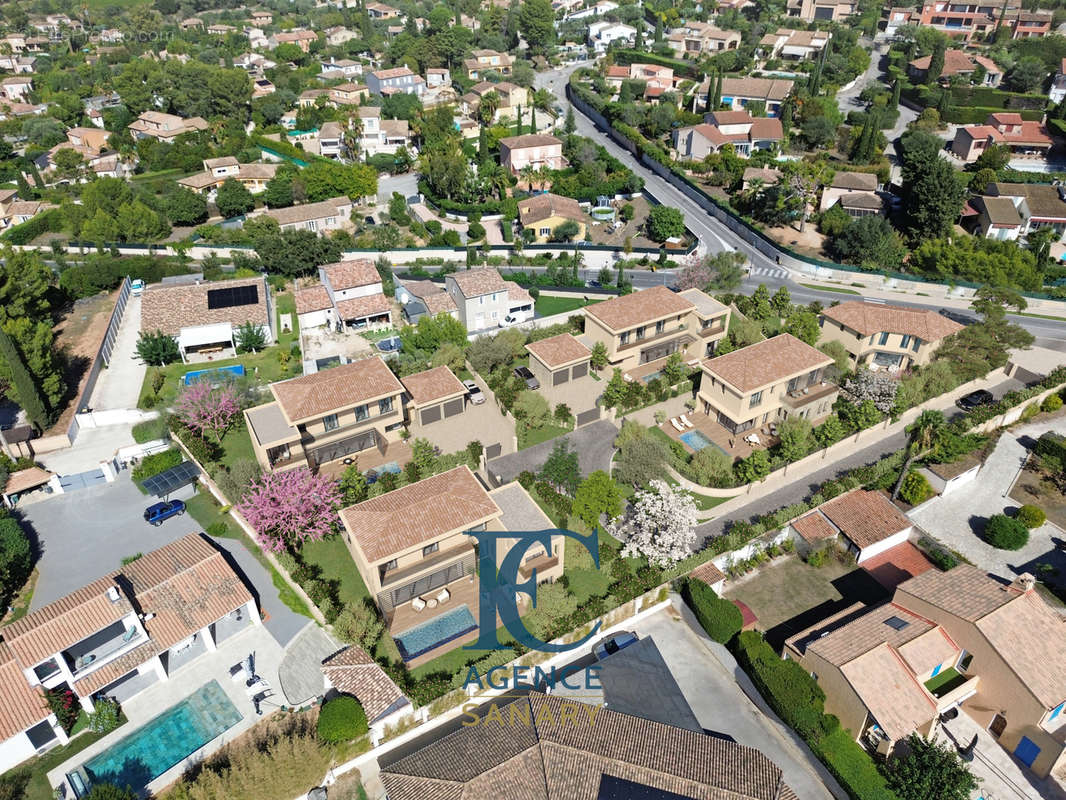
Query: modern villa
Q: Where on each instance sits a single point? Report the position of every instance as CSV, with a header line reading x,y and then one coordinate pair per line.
x,y
888,337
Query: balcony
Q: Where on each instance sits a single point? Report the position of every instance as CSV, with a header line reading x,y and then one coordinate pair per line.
x,y
801,398
400,575
668,332
367,422
541,564
949,686
711,330
90,653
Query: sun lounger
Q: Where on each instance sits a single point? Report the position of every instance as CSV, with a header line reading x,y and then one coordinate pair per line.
x,y
443,596
418,604
685,421
677,425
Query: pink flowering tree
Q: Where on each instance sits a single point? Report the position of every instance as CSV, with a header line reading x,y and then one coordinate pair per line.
x,y
286,508
204,408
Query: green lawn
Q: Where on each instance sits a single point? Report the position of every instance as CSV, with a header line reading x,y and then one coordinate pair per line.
x,y
530,437
237,444
332,557
546,306
38,768
837,289
207,512
945,681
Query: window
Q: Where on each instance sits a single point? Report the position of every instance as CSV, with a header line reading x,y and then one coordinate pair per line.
x,y
361,413
330,423
755,400
640,332
917,344
905,342
430,549
312,225
793,384
391,564
545,231
884,337
896,624
385,406
660,326
624,338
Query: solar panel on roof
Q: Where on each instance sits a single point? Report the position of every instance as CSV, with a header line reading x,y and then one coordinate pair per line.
x,y
896,623
174,478
233,296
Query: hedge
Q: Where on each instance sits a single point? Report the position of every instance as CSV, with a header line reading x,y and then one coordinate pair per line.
x,y
50,221
721,619
684,68
341,720
976,115
156,463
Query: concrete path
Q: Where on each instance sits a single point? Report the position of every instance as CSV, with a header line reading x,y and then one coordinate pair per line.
x,y
92,446
724,700
300,672
958,519
119,385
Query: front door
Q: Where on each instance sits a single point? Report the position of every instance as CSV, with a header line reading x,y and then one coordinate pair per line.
x,y
999,724
1027,751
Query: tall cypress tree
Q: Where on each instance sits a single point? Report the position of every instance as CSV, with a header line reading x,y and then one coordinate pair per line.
x,y
532,119
897,88
518,130
718,91
638,39
658,28
26,390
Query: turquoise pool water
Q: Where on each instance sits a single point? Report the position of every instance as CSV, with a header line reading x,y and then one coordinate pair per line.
x,y
236,370
697,441
651,376
177,733
423,638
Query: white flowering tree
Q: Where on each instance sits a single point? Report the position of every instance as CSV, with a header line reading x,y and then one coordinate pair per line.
x,y
661,526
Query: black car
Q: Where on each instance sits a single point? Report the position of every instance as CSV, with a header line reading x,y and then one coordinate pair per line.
x,y
957,316
528,377
982,397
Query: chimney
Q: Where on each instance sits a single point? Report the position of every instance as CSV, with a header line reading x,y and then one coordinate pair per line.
x,y
1024,582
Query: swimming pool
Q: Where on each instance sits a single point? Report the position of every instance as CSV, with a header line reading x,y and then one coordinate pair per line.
x,y
236,371
697,441
148,752
651,376
423,638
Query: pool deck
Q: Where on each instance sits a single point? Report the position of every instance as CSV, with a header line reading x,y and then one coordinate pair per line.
x,y
733,444
160,696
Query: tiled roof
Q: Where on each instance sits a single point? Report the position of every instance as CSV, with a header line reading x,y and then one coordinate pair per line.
x,y
433,297
351,274
113,670
66,621
845,642
869,318
720,118
631,310
999,210
544,206
21,705
570,758
531,139
931,649
708,573
814,527
762,88
171,308
352,671
897,564
358,307
308,211
558,350
860,181
891,693
334,388
395,72
391,523
765,362
865,517
432,384
1043,199
313,298
476,282
188,585
965,591
26,479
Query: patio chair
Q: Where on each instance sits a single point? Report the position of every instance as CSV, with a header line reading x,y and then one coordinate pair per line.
x,y
685,421
418,604
677,425
443,596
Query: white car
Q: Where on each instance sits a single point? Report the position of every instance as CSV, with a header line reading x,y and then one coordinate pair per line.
x,y
136,287
473,391
510,319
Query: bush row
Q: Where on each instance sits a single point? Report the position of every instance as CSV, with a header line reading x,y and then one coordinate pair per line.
x,y
50,221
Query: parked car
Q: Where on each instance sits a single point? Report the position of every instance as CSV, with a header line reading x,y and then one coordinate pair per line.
x,y
136,287
390,345
160,512
612,644
957,316
528,377
510,319
370,221
593,284
473,391
982,397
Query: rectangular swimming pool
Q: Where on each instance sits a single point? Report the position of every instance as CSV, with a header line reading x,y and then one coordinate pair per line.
x,y
214,374
437,631
152,749
697,441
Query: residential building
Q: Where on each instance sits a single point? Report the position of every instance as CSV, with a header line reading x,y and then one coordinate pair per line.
x,y
14,211
257,38
1038,204
348,94
965,20
437,77
601,34
883,336
16,88
381,11
353,672
326,215
737,93
559,362
378,135
958,63
432,396
536,150
543,213
165,127
737,128
899,17
331,139
855,192
300,38
116,637
483,61
356,291
697,38
91,145
219,29
614,755
653,75
253,177
483,298
768,176
817,10
421,298
344,412
254,62
512,97
1057,93
590,12
339,68
393,81
793,44
411,546
649,325
994,218
20,65
191,23
261,87
862,523
1029,24
766,382
1022,137
203,317
261,17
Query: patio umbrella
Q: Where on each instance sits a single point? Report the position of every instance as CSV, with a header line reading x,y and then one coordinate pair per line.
x,y
249,667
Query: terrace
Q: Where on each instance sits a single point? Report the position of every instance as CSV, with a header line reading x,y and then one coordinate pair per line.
x,y
732,444
398,453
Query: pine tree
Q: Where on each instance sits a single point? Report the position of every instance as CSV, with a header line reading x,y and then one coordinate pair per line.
x,y
25,389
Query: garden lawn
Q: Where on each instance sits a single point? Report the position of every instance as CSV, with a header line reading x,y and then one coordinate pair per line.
x,y
546,306
264,365
332,557
531,436
207,512
38,768
838,289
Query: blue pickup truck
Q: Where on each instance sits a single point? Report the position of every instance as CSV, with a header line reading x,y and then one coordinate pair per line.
x,y
160,512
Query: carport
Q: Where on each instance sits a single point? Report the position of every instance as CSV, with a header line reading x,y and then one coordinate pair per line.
x,y
169,480
25,480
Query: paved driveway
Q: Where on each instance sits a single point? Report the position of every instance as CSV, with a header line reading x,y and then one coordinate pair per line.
x,y
593,443
720,694
119,385
85,535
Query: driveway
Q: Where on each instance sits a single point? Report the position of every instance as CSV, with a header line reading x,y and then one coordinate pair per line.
x,y
85,535
594,445
119,385
958,519
724,700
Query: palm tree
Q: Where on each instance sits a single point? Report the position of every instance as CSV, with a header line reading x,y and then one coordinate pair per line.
x,y
924,433
495,178
542,99
490,103
544,177
352,134
526,173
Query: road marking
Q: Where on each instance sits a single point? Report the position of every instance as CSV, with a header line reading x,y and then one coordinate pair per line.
x,y
769,272
874,300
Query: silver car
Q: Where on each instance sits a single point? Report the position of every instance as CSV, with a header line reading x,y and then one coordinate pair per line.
x,y
473,391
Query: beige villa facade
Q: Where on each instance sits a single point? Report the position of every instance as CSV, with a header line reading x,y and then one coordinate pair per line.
x,y
883,336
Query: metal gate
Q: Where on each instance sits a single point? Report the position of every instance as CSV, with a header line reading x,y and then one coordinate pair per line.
x,y
82,480
585,417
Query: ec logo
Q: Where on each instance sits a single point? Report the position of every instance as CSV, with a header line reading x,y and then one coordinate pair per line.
x,y
499,586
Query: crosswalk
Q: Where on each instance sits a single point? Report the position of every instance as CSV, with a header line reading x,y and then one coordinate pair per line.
x,y
775,273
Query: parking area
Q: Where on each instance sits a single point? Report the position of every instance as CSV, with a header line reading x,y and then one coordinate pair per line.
x,y
85,535
483,422
594,445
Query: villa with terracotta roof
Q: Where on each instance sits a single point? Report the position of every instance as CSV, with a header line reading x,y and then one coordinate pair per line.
x,y
948,640
350,292
325,215
487,61
535,150
426,298
413,552
645,327
958,62
1022,137
765,382
165,127
116,637
864,523
253,177
203,317
485,300
737,93
737,128
881,336
341,413
353,672
541,214
432,396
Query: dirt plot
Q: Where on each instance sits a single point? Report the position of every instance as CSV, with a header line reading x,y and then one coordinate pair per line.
x,y
78,337
633,229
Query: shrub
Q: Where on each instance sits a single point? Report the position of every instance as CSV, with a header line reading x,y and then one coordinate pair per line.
x,y
150,430
157,348
915,489
1031,516
106,717
1051,403
64,705
16,558
721,619
217,529
341,720
156,463
1006,533
359,624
